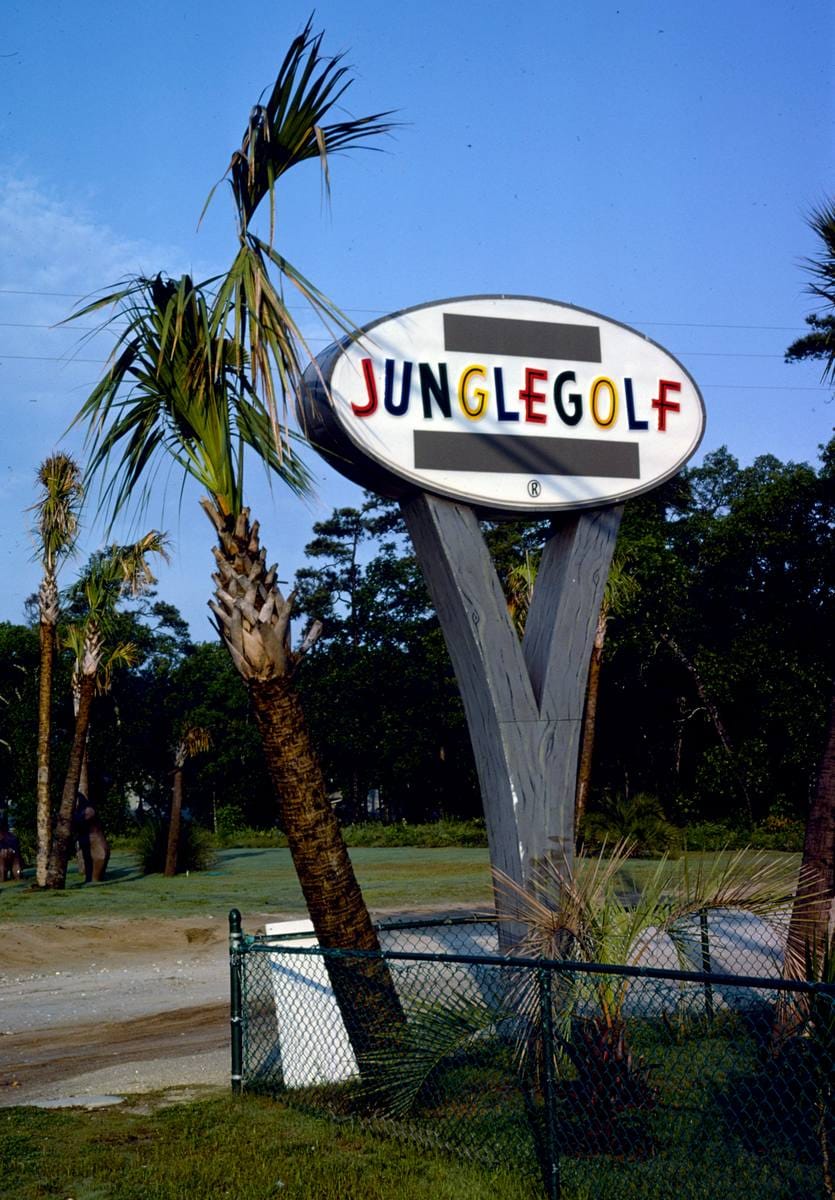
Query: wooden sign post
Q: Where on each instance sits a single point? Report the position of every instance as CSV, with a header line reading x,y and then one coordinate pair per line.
x,y
524,699
509,407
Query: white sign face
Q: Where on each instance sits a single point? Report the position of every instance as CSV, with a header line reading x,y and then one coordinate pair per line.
x,y
505,403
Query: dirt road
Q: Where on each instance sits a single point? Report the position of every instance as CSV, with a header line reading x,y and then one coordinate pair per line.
x,y
112,1007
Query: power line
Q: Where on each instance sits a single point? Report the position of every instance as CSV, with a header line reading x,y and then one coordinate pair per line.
x,y
378,312
95,329
59,358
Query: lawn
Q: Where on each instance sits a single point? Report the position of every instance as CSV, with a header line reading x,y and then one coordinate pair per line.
x,y
262,881
244,1149
256,882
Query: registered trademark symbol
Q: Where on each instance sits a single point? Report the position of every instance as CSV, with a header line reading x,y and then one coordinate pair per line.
x,y
534,488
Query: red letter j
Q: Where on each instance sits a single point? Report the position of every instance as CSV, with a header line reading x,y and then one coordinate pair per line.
x,y
365,410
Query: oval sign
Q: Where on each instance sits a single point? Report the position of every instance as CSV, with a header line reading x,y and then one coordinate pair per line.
x,y
507,403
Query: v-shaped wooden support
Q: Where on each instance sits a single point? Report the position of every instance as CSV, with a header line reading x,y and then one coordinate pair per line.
x,y
524,700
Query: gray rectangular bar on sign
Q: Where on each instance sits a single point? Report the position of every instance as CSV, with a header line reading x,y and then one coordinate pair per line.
x,y
498,453
524,339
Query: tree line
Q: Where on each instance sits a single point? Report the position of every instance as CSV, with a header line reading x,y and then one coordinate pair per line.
x,y
713,688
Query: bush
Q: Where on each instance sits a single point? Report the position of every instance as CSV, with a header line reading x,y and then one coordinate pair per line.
x,y
229,821
196,850
714,835
639,819
374,833
778,833
433,834
247,838
775,833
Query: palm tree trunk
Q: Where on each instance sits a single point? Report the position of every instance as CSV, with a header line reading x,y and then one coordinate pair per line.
x,y
253,619
84,776
56,876
362,987
174,824
812,911
589,724
44,807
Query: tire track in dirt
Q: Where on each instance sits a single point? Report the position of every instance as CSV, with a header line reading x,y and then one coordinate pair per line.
x,y
45,1056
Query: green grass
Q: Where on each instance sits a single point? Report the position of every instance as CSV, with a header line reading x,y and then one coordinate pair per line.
x,y
257,1148
262,881
256,882
249,1148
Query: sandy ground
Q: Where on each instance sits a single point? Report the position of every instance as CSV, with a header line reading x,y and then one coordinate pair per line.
x,y
94,1010
112,1008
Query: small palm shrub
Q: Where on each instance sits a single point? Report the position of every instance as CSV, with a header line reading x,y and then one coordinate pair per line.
x,y
579,912
638,820
196,849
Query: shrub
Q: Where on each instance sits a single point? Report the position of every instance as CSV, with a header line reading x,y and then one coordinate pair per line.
x,y
638,820
775,833
714,835
376,834
196,849
432,834
778,833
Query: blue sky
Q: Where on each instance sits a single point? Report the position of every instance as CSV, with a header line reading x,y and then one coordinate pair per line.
x,y
655,162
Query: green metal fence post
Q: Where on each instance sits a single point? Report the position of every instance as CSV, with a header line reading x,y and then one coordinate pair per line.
x,y
705,934
236,998
549,1084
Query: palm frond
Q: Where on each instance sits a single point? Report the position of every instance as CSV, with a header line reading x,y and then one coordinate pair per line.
x,y
395,1074
284,129
123,654
193,740
115,572
579,912
289,126
821,343
178,388
57,510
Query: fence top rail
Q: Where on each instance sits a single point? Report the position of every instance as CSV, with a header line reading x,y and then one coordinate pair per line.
x,y
277,944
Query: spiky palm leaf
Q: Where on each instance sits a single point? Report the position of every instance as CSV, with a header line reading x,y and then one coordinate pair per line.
x,y
193,740
820,342
93,657
579,913
176,391
519,586
57,509
398,1072
290,127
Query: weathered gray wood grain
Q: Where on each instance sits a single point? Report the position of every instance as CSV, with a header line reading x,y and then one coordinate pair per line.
x,y
523,701
559,635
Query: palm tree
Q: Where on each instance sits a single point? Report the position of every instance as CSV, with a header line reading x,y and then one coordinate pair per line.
x,y
578,913
817,885
204,374
56,526
194,739
190,401
118,571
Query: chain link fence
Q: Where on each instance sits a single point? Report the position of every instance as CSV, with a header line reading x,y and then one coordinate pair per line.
x,y
600,1081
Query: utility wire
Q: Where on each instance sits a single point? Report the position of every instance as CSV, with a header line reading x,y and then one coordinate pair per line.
x,y
378,312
